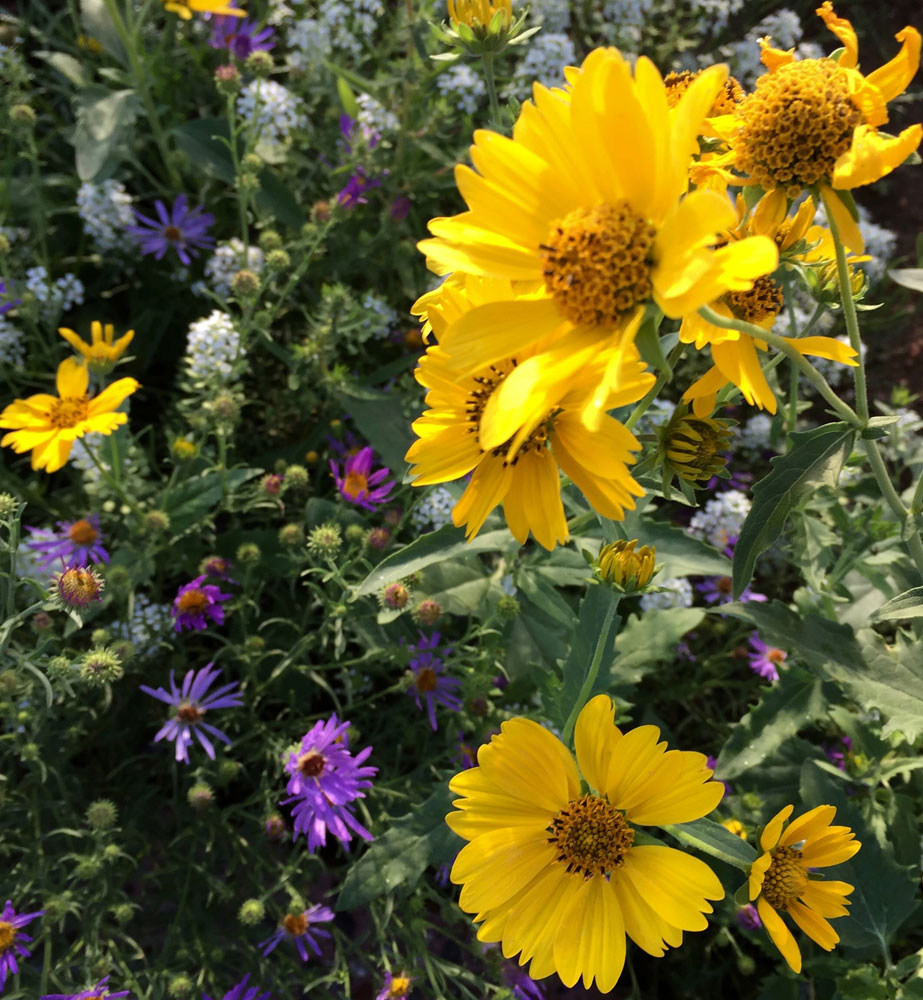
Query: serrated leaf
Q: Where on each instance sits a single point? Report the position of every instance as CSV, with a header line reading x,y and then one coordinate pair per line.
x,y
789,705
906,605
650,639
815,460
715,840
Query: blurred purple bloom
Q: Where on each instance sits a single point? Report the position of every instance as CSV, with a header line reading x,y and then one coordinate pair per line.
x,y
764,659
240,992
521,983
400,208
353,192
719,590
182,228
5,307
395,987
297,927
324,778
11,938
196,602
76,543
713,763
239,35
98,992
749,918
358,484
466,755
838,757
191,703
429,681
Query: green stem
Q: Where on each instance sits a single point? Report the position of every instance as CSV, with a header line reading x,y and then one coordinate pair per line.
x,y
592,672
849,314
916,503
792,421
891,498
488,60
804,366
651,395
111,481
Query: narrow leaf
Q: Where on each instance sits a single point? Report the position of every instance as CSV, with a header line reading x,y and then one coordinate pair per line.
x,y
906,605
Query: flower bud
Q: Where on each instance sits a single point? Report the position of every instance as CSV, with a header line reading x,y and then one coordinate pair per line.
x,y
270,240
156,521
180,987
248,553
102,815
8,505
278,260
200,796
508,607
291,535
100,666
427,612
693,445
227,79
245,283
378,538
259,63
627,570
395,596
296,477
324,541
251,912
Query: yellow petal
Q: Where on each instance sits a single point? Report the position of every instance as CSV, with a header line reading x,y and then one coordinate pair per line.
x,y
113,395
815,926
827,898
643,924
844,31
894,77
591,937
808,826
688,120
739,364
633,758
73,378
825,347
781,936
533,502
757,874
76,342
769,838
52,454
847,227
769,213
772,58
838,846
595,737
497,865
489,485
870,157
675,884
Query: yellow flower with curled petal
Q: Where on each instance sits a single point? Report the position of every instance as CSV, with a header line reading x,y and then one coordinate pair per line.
x,y
551,869
103,351
781,878
186,8
588,201
479,13
815,122
48,425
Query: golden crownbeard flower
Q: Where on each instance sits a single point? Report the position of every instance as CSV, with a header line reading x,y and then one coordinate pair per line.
x,y
586,201
519,468
815,122
102,352
693,445
781,882
618,563
186,8
725,103
47,425
553,873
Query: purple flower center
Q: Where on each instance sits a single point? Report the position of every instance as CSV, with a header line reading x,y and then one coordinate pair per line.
x,y
311,764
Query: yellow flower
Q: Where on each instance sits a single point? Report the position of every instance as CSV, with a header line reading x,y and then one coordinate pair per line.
x,y
479,13
47,425
553,872
780,879
618,563
693,445
815,122
102,353
466,430
586,202
735,827
186,8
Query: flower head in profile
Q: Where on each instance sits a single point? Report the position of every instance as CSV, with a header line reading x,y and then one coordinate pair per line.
x,y
48,425
430,685
782,879
98,992
77,587
242,992
76,543
198,603
239,35
395,987
553,873
182,229
324,779
765,660
358,484
12,937
300,928
190,704
103,350
186,8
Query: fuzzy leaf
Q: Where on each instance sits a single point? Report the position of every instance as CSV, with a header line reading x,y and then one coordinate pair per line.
x,y
906,605
651,639
712,838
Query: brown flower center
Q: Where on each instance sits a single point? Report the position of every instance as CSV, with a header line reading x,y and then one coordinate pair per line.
x,y
354,483
193,602
597,263
425,680
295,924
776,655
764,299
68,411
729,96
7,933
311,763
173,234
188,712
785,879
590,836
795,125
724,585
82,533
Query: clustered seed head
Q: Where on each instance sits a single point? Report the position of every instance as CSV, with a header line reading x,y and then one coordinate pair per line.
x,y
395,596
795,125
597,263
591,837
78,586
729,96
764,300
785,879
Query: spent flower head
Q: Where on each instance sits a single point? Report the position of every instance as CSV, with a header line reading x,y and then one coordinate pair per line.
x,y
76,588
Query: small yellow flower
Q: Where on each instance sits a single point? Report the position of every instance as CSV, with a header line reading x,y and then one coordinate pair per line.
x,y
735,827
47,425
183,448
186,8
89,43
102,352
620,564
479,13
781,878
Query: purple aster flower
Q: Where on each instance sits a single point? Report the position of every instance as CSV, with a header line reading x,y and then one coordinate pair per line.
x,y
838,757
713,763
353,192
764,659
75,543
297,927
239,35
719,590
240,992
358,484
429,681
522,985
748,918
98,992
191,703
9,304
324,778
196,602
466,755
395,987
11,938
183,229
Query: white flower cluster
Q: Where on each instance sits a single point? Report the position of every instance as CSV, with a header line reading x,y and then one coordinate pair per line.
x,y
352,24
106,211
553,15
380,319
721,518
225,262
309,44
544,61
212,346
279,12
272,110
28,559
716,12
624,20
56,296
374,118
149,622
463,84
756,433
12,349
678,594
434,511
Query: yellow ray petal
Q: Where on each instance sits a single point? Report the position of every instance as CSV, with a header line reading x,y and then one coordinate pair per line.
x,y
808,826
757,874
73,378
533,502
843,30
489,485
827,898
591,937
870,157
894,77
643,924
738,363
497,865
113,395
781,936
815,926
769,838
595,737
677,885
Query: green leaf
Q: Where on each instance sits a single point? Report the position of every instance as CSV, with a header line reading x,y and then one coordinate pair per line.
x,y
69,67
815,460
681,554
908,277
98,24
105,124
712,838
906,605
194,499
459,587
347,98
650,345
397,859
786,707
446,543
383,425
650,639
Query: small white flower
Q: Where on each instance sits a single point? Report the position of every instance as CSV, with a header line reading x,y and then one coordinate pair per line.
x,y
272,110
434,511
212,346
106,211
544,61
721,518
12,349
463,83
225,262
678,594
